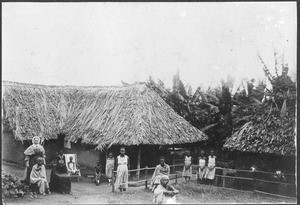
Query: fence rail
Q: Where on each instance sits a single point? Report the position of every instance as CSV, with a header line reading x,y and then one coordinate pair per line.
x,y
253,179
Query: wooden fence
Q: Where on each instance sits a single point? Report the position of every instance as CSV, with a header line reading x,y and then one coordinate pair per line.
x,y
178,174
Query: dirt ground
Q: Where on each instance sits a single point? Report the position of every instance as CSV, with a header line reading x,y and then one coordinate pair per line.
x,y
85,192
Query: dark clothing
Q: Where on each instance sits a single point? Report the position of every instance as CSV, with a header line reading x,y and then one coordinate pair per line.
x,y
97,169
60,181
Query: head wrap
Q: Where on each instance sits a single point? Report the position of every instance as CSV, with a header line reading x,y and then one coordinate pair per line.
x,y
36,137
164,177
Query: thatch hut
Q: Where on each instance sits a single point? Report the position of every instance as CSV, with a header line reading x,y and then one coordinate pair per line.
x,y
98,117
268,141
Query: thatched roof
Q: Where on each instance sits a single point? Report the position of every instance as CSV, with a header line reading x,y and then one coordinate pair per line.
x,y
272,134
102,116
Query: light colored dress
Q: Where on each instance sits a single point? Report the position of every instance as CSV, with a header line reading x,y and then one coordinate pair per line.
x,y
38,176
202,168
210,173
187,168
110,162
161,198
158,172
122,172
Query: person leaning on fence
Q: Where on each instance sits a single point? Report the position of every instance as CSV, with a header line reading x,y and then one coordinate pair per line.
x,y
38,176
211,167
161,169
97,172
122,171
164,193
187,168
202,163
110,163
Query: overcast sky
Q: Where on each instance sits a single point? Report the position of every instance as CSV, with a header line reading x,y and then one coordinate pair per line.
x,y
104,43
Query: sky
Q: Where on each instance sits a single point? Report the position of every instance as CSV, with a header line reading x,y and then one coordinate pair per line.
x,y
106,43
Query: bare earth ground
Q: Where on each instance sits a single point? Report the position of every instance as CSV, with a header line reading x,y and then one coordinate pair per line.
x,y
85,192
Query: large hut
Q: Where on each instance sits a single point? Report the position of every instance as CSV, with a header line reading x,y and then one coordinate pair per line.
x,y
93,119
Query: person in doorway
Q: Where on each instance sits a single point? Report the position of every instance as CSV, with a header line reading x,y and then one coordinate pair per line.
x,y
211,167
60,181
72,166
165,193
32,153
60,157
38,176
187,168
97,172
202,163
122,171
110,163
161,169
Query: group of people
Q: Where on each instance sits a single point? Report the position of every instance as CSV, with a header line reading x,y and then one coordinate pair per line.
x,y
60,180
205,167
35,172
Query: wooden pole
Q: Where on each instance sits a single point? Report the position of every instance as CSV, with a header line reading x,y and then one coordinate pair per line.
x,y
223,178
139,162
113,181
173,159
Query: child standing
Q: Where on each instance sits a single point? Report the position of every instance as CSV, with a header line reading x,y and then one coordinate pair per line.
x,y
187,169
110,164
122,170
202,163
97,170
210,173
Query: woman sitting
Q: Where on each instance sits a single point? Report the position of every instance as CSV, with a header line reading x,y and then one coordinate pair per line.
x,y
161,169
164,193
38,176
60,181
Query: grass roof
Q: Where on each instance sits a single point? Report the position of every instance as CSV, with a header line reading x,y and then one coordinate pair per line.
x,y
101,116
270,134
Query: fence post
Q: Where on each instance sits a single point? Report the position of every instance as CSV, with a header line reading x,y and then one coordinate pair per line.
x,y
113,182
146,172
146,184
223,178
176,178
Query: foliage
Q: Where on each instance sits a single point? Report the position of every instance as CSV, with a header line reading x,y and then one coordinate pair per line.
x,y
12,187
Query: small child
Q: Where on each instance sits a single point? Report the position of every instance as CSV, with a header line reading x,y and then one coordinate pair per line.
x,y
202,163
187,169
97,170
110,164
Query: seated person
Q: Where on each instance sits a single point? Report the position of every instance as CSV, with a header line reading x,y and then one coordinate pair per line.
x,y
72,166
60,181
38,176
161,169
97,172
164,193
60,156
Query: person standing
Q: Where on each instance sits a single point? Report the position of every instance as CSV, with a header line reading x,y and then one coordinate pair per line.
x,y
202,163
32,153
110,164
122,171
187,168
211,167
97,172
